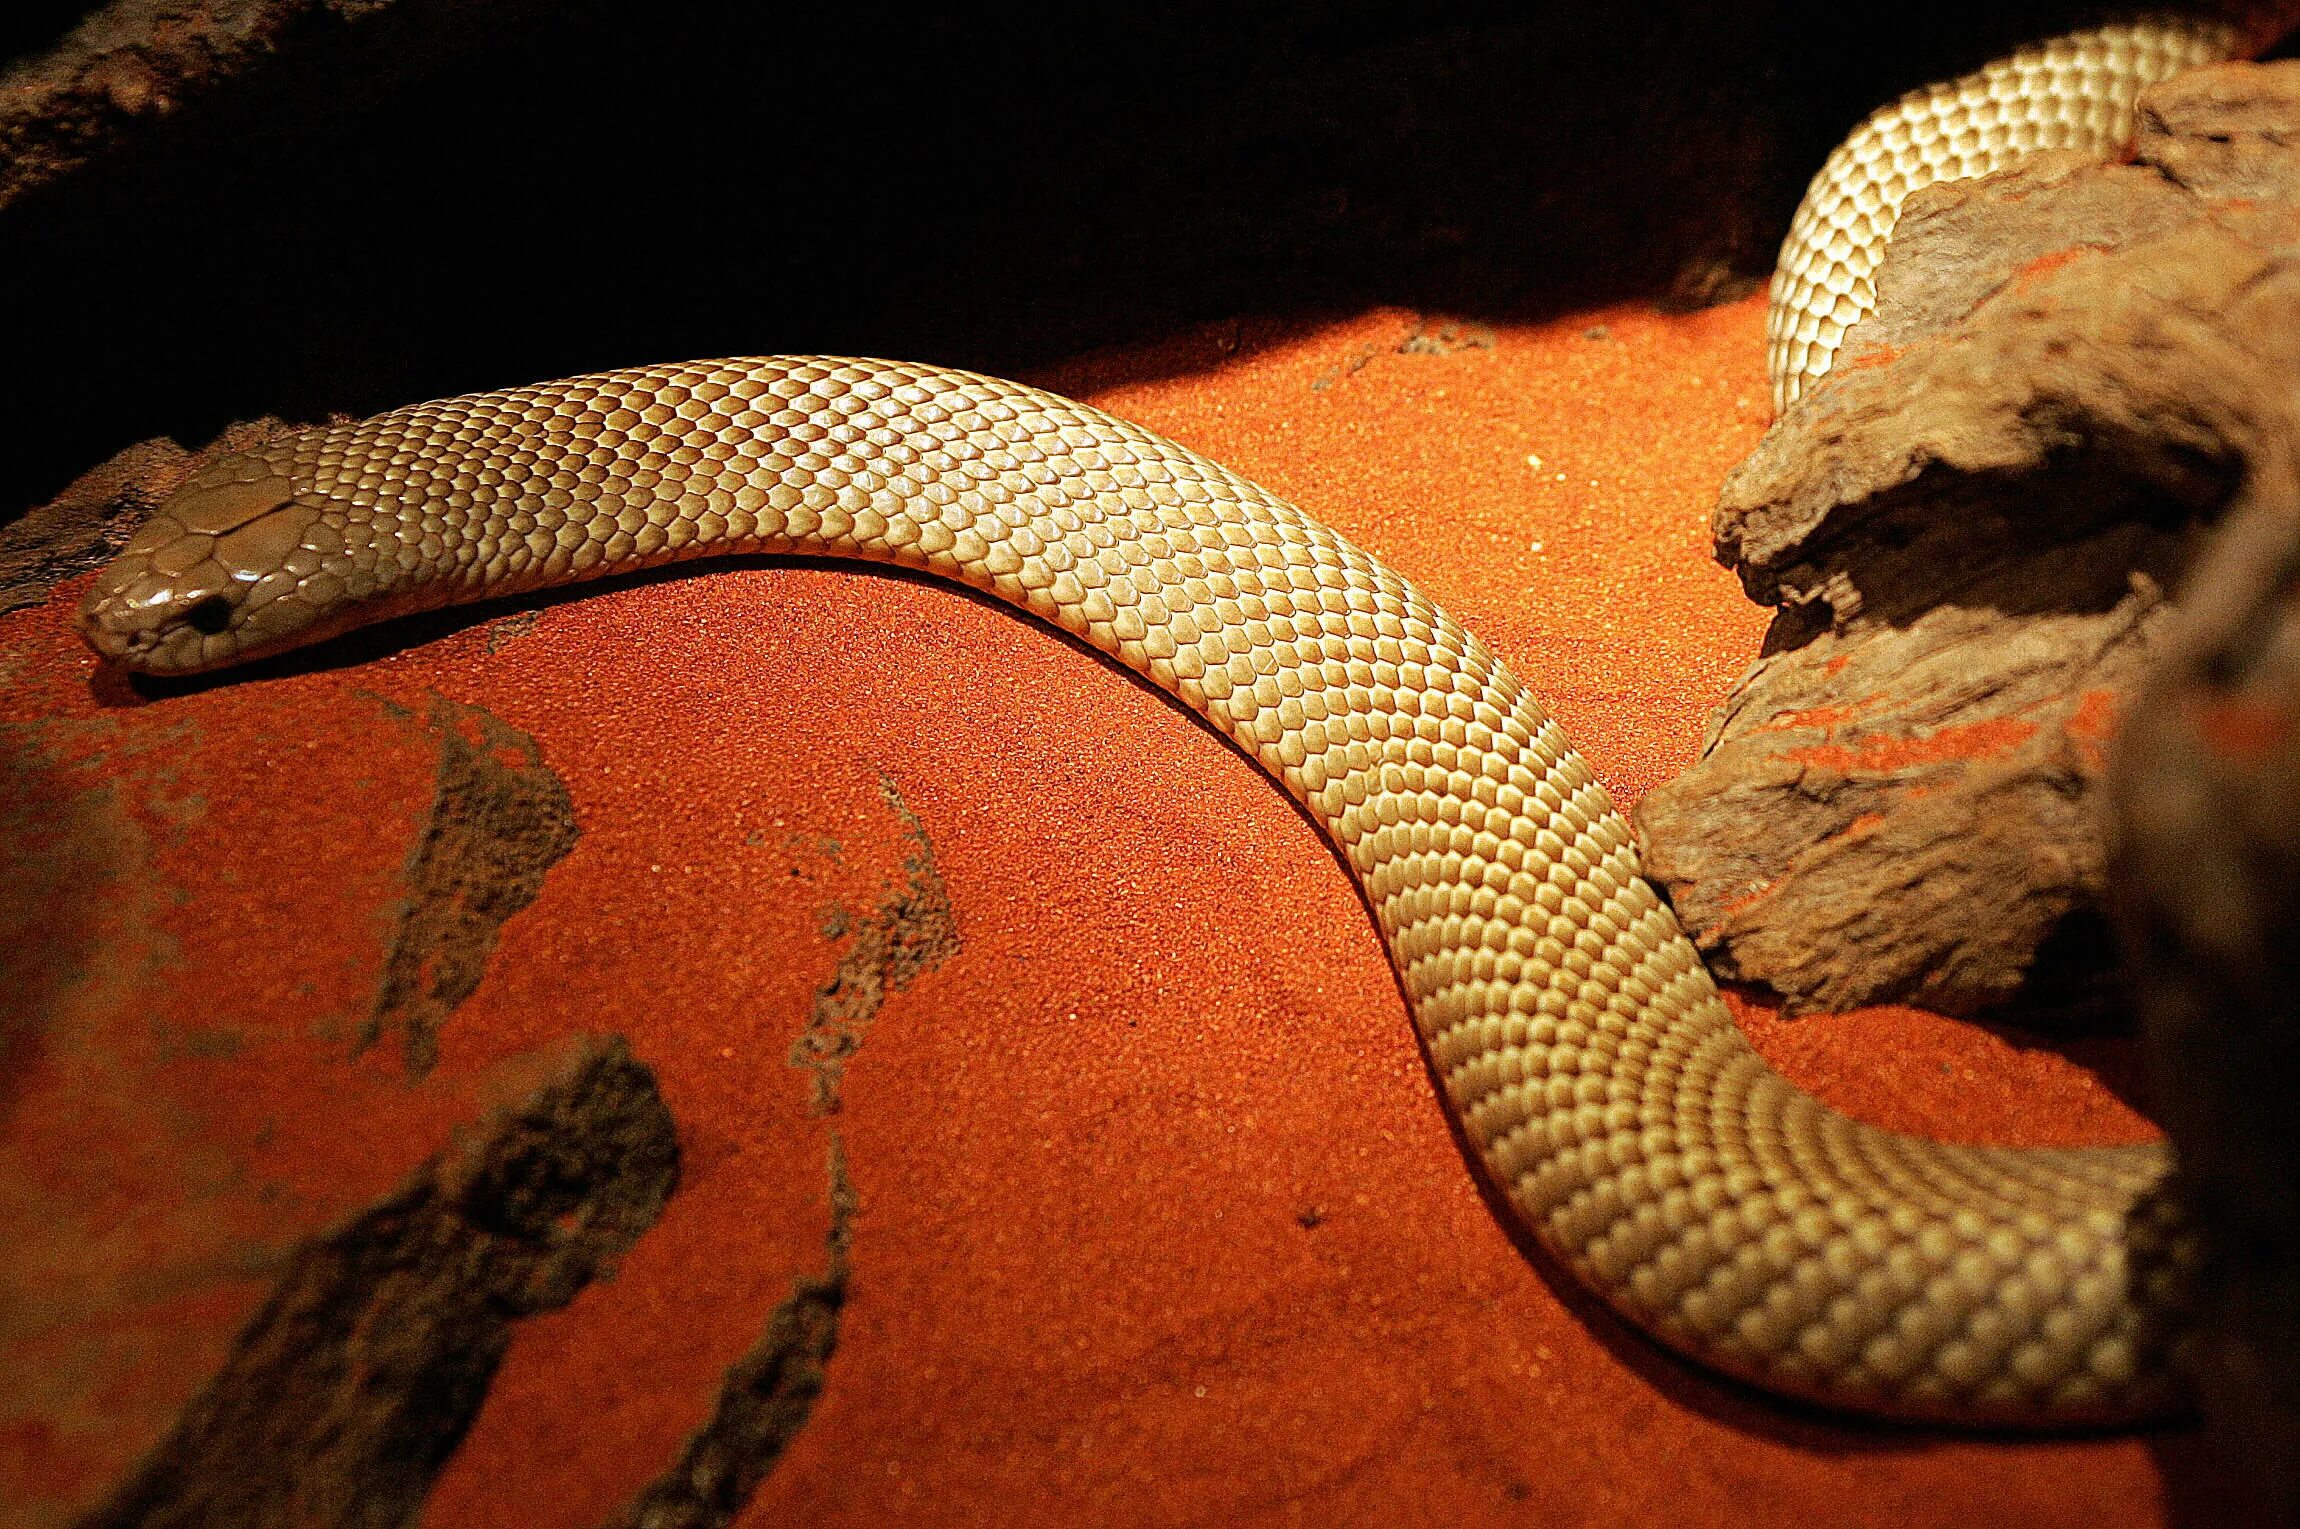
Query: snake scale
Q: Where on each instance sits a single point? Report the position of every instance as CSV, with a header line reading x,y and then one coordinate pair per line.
x,y
1581,1045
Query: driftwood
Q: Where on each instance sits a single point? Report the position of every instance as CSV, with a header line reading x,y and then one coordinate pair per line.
x,y
1971,530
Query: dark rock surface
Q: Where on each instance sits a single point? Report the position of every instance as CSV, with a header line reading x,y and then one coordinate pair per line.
x,y
359,1376
128,65
500,820
2205,792
81,528
1971,529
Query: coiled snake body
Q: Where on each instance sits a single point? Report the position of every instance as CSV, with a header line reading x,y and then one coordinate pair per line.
x,y
1581,1044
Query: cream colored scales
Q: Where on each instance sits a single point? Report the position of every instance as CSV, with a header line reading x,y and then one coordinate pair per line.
x,y
1582,1045
2072,92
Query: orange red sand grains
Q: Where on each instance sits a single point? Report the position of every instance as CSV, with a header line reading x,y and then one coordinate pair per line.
x,y
1154,1216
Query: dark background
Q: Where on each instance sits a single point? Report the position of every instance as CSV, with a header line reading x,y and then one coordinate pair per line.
x,y
447,195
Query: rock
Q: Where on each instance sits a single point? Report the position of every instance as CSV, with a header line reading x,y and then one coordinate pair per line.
x,y
133,63
120,67
1970,528
80,529
361,1374
2224,133
92,519
2205,801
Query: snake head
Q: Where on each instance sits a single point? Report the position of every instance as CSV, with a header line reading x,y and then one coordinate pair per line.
x,y
228,567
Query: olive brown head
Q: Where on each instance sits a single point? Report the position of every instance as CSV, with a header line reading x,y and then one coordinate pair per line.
x,y
233,564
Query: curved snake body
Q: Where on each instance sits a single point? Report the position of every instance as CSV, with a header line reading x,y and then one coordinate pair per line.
x,y
2070,92
1581,1045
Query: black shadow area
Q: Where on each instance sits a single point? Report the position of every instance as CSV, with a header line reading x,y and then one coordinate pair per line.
x,y
422,203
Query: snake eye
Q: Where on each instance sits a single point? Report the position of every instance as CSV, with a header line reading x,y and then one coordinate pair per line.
x,y
210,616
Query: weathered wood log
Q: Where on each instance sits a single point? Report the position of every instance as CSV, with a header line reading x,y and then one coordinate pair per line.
x,y
1970,529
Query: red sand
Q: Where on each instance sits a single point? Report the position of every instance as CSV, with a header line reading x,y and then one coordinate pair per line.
x,y
1160,1221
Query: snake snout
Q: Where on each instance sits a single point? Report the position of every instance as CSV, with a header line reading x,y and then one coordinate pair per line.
x,y
209,578
145,618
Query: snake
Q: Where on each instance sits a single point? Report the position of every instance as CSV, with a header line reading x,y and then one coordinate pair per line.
x,y
2075,91
1578,1042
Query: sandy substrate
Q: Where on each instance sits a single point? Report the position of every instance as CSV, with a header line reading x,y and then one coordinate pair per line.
x,y
1154,1216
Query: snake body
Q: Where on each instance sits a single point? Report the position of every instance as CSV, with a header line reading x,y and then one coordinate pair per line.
x,y
2075,91
1581,1046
